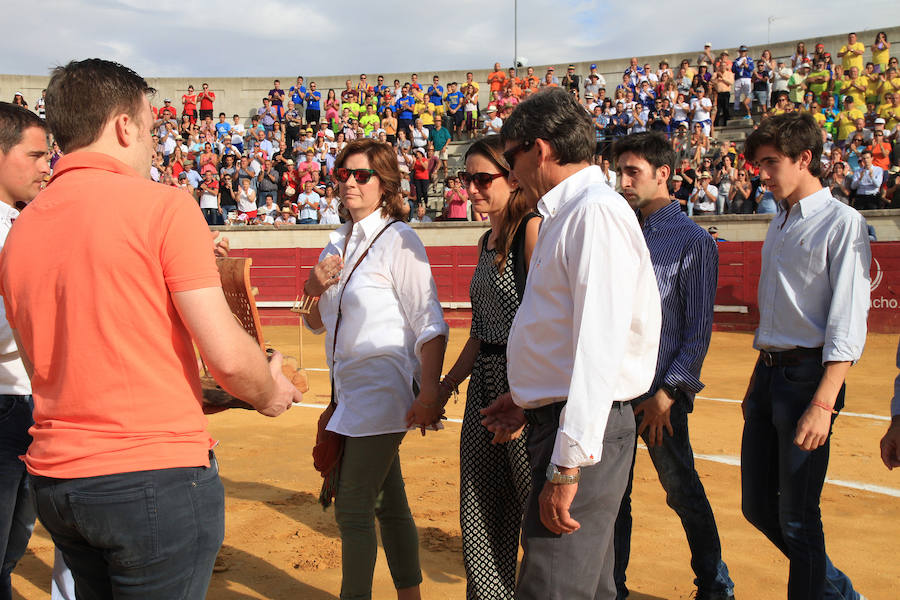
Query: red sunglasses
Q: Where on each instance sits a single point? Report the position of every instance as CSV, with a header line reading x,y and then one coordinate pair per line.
x,y
362,176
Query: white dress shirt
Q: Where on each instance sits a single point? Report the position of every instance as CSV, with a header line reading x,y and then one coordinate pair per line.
x,y
814,282
588,328
389,310
13,378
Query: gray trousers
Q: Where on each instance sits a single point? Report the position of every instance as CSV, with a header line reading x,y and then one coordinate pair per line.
x,y
577,566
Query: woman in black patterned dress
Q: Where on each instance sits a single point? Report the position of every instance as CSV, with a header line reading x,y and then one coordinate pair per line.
x,y
494,477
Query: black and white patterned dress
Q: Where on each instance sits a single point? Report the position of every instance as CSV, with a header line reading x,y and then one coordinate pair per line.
x,y
494,479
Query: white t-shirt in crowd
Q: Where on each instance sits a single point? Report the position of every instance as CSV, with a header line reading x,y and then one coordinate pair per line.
x,y
701,108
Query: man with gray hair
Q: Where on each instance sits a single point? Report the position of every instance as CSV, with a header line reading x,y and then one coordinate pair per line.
x,y
583,344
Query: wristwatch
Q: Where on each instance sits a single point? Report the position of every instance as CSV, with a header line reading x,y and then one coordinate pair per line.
x,y
554,476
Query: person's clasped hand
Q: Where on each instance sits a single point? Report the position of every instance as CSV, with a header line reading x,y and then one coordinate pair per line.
x,y
504,419
324,275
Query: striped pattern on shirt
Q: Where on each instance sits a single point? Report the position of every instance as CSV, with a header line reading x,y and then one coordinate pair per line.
x,y
686,263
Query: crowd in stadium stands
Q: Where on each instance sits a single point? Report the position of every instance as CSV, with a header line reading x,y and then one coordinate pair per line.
x,y
278,167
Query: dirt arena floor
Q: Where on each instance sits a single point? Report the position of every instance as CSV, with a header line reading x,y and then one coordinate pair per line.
x,y
279,543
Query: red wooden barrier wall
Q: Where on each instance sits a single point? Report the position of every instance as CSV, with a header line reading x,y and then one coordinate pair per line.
x,y
279,274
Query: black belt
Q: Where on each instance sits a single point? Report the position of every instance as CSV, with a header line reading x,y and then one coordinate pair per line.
x,y
549,413
487,348
789,357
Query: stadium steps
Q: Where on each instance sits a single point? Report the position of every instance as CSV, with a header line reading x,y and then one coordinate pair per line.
x,y
736,131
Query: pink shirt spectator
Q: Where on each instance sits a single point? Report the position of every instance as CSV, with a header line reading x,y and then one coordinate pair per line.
x,y
456,203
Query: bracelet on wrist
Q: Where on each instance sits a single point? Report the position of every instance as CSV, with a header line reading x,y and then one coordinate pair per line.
x,y
450,385
824,406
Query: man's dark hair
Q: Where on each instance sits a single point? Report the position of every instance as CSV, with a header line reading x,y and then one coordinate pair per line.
x,y
652,146
14,120
84,95
221,114
554,116
790,134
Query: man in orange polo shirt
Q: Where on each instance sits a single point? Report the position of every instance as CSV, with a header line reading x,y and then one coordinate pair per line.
x,y
105,317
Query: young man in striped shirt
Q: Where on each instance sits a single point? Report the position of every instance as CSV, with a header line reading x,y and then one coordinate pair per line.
x,y
686,261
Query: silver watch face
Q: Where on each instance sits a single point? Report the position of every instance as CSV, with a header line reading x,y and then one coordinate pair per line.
x,y
551,471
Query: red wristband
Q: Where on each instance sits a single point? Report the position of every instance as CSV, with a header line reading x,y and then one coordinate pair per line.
x,y
824,406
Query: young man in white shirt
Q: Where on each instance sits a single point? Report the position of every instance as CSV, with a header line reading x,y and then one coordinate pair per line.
x,y
583,344
867,181
813,304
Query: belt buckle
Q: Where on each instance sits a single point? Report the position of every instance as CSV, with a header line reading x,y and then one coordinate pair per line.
x,y
767,358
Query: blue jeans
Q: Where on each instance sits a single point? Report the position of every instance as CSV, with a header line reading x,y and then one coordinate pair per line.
x,y
148,535
674,462
781,483
16,507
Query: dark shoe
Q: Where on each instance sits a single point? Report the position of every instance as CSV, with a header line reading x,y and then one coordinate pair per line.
x,y
721,595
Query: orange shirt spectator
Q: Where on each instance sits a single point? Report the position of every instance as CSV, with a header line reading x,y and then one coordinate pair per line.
x,y
496,79
881,151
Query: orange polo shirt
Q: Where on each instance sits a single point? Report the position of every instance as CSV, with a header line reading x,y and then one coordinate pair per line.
x,y
87,274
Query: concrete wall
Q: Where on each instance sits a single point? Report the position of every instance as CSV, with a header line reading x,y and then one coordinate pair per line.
x,y
242,95
734,228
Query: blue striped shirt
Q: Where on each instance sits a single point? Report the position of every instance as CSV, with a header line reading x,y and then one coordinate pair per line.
x,y
686,263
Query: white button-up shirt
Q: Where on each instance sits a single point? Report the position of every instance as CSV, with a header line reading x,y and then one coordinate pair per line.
x,y
389,310
588,327
814,282
13,378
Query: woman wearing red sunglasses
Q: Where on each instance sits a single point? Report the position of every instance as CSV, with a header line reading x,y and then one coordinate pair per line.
x,y
494,472
385,341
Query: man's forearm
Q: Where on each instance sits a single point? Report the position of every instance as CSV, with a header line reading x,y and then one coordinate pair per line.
x,y
831,382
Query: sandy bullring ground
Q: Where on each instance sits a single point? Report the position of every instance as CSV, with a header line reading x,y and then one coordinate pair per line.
x,y
279,543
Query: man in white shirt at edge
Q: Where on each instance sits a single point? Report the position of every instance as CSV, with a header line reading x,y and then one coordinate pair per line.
x,y
583,344
813,304
23,166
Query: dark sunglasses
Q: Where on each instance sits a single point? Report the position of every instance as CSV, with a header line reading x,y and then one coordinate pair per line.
x,y
510,155
362,176
481,180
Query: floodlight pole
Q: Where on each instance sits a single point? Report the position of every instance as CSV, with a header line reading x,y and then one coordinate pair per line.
x,y
769,31
516,36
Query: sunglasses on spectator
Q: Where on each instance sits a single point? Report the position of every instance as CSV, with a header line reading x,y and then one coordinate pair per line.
x,y
510,155
362,176
482,180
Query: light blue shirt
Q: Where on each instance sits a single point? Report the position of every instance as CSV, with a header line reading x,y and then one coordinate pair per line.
x,y
866,182
814,282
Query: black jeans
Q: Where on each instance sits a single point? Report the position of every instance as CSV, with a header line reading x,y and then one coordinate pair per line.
x,y
722,112
16,506
145,535
674,463
421,186
781,483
